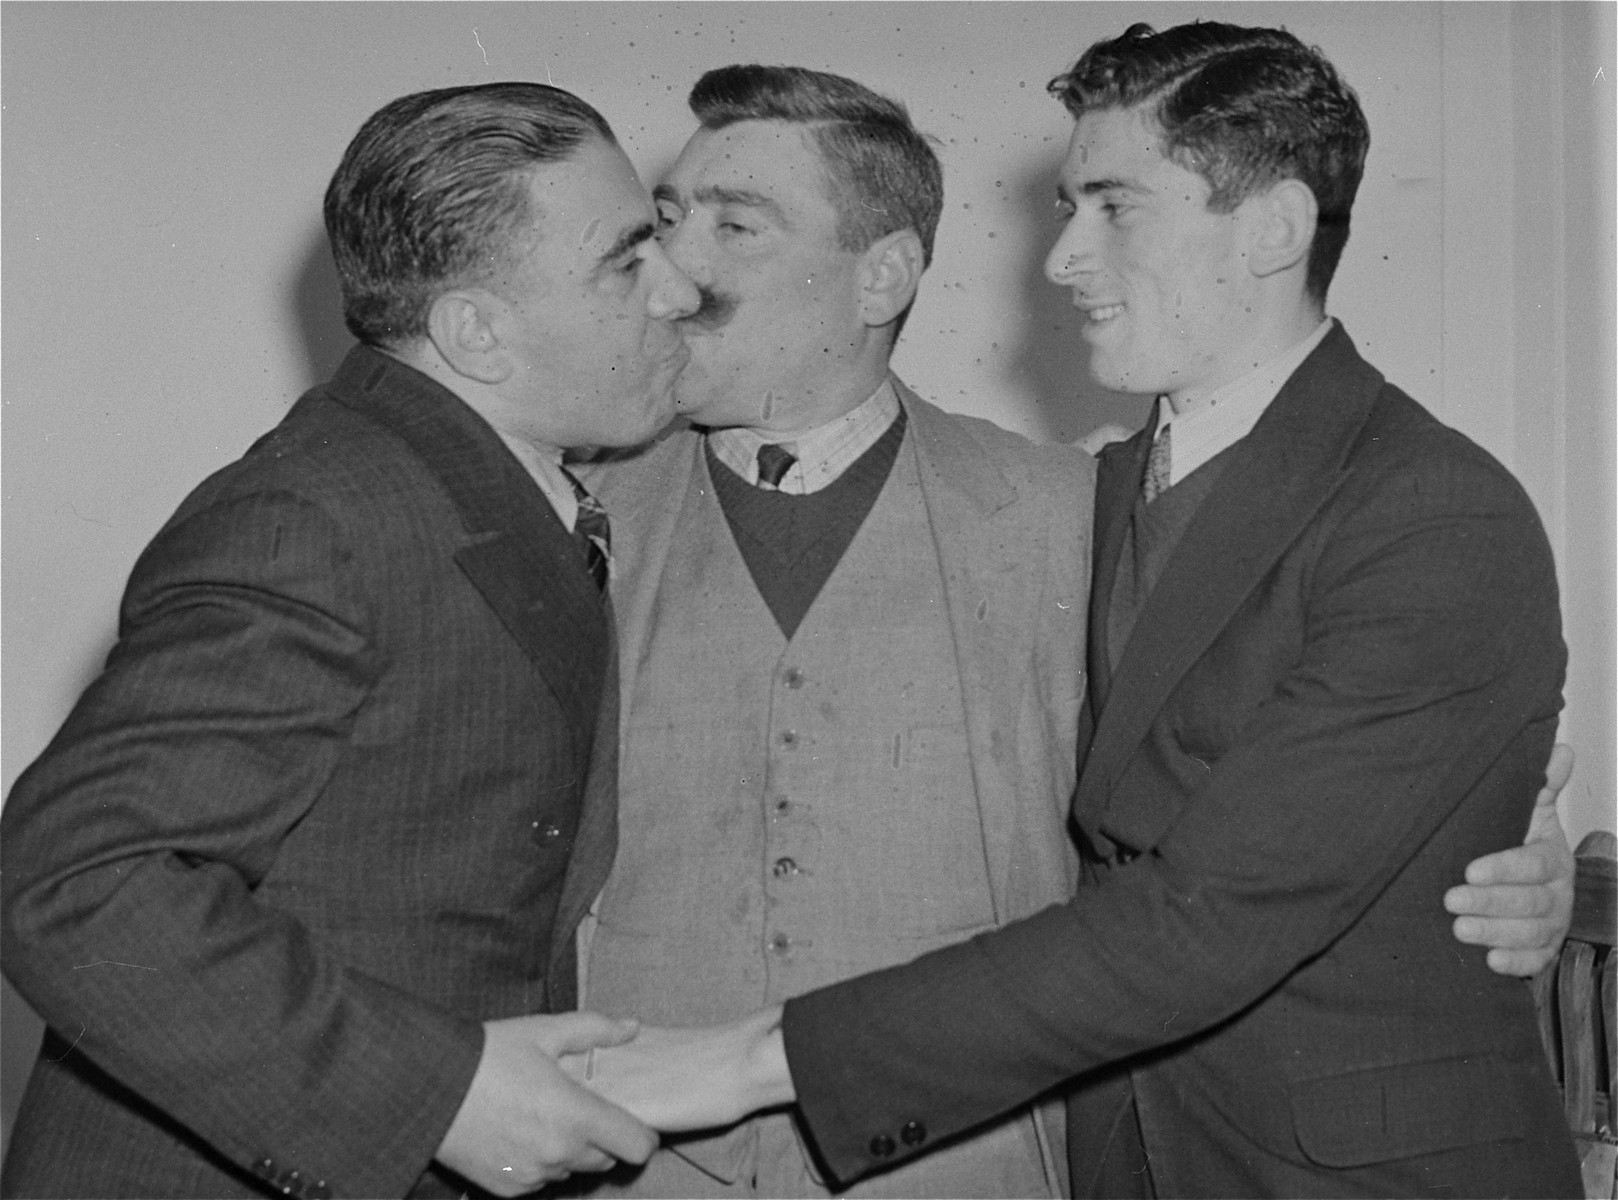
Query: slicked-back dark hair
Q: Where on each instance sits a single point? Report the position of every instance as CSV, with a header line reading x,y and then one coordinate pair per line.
x,y
432,193
881,174
1244,108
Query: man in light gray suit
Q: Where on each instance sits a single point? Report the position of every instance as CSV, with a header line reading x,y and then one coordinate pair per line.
x,y
851,675
851,628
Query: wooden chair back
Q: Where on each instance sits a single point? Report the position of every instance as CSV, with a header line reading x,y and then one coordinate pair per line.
x,y
1577,997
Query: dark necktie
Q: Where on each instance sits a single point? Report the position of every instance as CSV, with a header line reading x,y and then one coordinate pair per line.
x,y
592,531
1156,480
773,463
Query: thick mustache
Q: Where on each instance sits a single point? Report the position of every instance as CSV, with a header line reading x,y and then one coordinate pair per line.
x,y
714,311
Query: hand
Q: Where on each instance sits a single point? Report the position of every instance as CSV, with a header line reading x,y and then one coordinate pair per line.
x,y
1520,901
679,1079
524,1123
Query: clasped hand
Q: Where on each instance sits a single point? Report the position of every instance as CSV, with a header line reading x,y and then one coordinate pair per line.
x,y
524,1123
683,1079
532,1117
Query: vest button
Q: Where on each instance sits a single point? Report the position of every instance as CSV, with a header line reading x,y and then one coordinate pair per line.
x,y
914,1133
782,806
780,943
789,738
784,867
794,678
882,1145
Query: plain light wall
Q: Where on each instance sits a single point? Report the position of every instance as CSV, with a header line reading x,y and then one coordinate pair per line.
x,y
168,294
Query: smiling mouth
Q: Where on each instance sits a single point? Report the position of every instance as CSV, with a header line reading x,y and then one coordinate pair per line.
x,y
1103,313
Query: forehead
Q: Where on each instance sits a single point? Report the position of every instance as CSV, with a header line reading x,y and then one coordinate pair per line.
x,y
589,200
1121,143
773,160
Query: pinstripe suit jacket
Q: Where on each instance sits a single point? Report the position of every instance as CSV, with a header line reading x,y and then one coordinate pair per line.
x,y
1341,690
320,816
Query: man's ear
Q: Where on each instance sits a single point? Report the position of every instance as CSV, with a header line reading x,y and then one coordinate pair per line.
x,y
462,326
1284,218
890,272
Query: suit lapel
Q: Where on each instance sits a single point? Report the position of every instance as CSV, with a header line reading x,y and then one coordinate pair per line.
x,y
986,556
518,555
1278,478
645,493
1118,475
595,842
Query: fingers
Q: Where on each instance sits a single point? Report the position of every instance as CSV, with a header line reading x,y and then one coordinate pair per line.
x,y
1521,963
1498,901
574,1033
588,1160
574,1065
1506,933
523,1122
1557,771
614,1132
1520,948
1533,864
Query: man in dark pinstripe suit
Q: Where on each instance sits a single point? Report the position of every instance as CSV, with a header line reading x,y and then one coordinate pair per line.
x,y
294,877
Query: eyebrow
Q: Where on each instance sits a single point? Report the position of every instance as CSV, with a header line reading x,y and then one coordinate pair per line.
x,y
1095,187
626,242
725,195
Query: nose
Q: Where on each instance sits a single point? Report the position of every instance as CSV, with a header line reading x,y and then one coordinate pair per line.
x,y
679,241
672,294
1068,258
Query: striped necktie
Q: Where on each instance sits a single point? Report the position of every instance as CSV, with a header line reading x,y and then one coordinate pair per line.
x,y
593,532
1156,480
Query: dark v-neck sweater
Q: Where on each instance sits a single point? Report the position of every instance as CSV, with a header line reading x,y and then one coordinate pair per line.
x,y
792,544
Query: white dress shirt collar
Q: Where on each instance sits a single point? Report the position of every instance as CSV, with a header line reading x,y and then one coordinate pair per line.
x,y
1226,415
823,453
544,464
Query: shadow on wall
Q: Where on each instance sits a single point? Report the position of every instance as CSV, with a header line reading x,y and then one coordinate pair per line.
x,y
317,310
1050,361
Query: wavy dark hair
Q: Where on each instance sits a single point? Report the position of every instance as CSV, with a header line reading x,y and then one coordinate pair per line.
x,y
432,193
1242,107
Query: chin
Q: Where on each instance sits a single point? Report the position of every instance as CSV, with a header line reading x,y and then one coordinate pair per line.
x,y
1123,378
708,411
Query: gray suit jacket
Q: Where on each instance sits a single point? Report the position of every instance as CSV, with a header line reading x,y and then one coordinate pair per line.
x,y
1011,526
1011,523
319,817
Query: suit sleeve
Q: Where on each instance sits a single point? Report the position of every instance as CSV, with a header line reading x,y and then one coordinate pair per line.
x,y
133,847
1431,642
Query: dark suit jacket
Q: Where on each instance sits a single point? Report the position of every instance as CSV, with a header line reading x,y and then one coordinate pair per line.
x,y
1343,688
324,813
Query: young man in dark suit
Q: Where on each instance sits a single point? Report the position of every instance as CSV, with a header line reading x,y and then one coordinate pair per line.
x,y
1325,667
298,871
